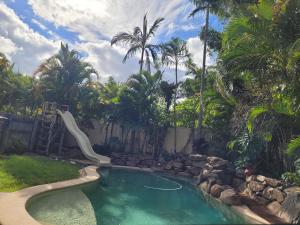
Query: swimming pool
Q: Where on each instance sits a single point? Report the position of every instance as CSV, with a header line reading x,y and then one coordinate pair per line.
x,y
128,197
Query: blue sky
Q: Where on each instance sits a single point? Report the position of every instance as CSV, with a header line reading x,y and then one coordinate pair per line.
x,y
31,30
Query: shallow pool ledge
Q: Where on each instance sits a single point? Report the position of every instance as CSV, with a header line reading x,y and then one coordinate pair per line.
x,y
13,205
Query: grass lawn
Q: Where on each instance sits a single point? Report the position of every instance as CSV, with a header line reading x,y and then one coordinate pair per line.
x,y
18,172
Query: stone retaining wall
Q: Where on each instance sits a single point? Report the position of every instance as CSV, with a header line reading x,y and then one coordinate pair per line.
x,y
220,179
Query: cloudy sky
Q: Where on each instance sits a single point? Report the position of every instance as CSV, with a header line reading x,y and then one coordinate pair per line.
x,y
31,31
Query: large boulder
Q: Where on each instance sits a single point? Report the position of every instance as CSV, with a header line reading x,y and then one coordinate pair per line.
x,y
230,197
273,194
274,207
178,165
273,182
198,157
205,186
216,190
199,164
256,186
259,199
291,206
195,171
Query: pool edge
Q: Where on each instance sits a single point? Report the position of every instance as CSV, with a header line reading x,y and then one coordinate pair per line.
x,y
13,205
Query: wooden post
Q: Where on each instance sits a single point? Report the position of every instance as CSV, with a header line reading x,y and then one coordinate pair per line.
x,y
5,134
33,134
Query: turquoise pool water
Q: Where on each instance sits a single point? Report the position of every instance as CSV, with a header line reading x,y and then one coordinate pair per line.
x,y
128,197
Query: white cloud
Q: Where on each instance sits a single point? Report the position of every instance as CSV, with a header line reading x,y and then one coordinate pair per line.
x,y
96,19
24,46
108,60
40,25
195,46
7,46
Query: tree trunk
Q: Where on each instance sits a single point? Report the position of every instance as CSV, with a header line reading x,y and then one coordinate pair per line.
x,y
142,61
201,113
175,115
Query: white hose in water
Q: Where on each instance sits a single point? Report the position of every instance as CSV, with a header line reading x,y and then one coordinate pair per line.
x,y
165,189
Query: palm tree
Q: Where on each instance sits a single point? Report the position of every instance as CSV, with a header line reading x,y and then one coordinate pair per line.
x,y
143,90
200,6
63,74
174,53
139,41
223,9
167,91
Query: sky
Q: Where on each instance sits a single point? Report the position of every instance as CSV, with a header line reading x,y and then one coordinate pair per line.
x,y
31,31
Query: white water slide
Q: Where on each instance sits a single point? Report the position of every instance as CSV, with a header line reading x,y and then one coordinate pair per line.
x,y
82,140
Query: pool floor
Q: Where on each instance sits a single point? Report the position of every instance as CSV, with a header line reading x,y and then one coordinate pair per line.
x,y
128,197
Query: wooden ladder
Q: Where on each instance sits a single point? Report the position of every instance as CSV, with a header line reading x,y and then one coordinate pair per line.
x,y
47,129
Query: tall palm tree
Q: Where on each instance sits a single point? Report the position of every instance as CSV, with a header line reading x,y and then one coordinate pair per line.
x,y
175,53
63,74
139,40
223,9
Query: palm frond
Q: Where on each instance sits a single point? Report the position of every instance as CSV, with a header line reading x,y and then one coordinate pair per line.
x,y
293,146
123,37
254,113
154,27
132,51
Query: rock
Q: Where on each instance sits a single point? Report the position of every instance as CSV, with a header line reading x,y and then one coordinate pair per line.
x,y
199,164
260,200
195,171
230,197
274,207
178,165
216,190
273,194
255,186
213,159
220,165
184,174
250,178
205,173
272,182
197,157
291,207
294,189
131,163
169,166
248,192
204,186
260,178
119,162
188,162
208,166
199,179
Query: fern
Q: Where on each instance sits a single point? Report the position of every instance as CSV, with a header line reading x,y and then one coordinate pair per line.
x,y
253,114
293,146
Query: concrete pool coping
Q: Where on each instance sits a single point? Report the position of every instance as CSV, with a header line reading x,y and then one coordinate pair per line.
x,y
13,205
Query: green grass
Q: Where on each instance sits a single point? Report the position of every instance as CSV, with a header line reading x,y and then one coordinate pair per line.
x,y
18,172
